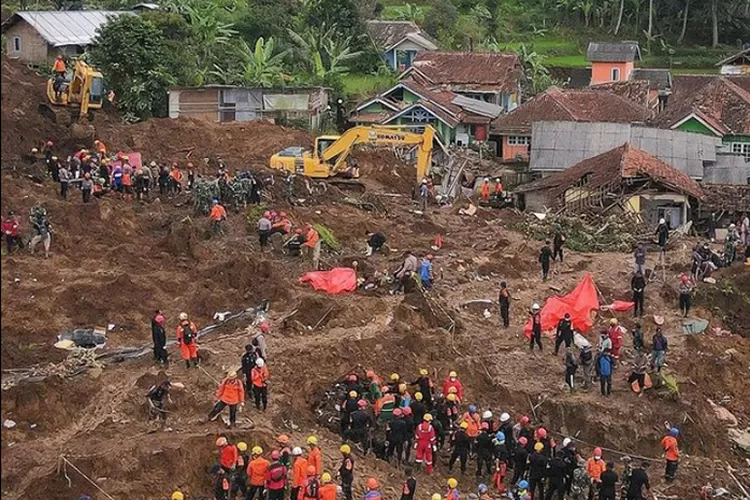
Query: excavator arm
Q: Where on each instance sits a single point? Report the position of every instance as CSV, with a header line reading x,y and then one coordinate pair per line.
x,y
339,150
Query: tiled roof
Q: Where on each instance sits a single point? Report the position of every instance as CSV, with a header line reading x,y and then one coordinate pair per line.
x,y
386,34
579,105
740,57
624,162
572,78
613,52
633,90
65,27
660,79
722,102
482,71
733,198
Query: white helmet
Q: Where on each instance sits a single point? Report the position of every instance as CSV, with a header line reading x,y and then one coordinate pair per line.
x,y
504,417
662,221
566,442
487,415
183,316
296,451
535,307
259,362
732,226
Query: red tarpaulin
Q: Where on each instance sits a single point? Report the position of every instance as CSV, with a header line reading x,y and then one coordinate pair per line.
x,y
337,280
579,303
619,306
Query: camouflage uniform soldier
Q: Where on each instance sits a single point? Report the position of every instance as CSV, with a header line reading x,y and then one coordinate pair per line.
x,y
581,481
627,474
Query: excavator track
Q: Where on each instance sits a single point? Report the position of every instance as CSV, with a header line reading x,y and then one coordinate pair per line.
x,y
351,185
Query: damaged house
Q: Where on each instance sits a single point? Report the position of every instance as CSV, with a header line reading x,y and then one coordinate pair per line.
x,y
626,180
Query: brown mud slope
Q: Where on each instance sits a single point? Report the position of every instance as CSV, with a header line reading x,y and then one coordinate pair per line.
x,y
115,262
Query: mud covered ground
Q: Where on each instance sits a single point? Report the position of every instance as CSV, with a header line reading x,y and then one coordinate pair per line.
x,y
115,262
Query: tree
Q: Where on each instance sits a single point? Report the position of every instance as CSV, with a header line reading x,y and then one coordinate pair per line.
x,y
324,52
209,31
619,17
650,33
685,14
410,12
344,14
130,52
714,23
443,17
262,66
536,75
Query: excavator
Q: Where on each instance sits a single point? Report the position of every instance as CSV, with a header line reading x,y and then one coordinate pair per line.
x,y
81,92
331,153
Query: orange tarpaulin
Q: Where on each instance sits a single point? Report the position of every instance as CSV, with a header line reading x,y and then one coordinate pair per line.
x,y
579,304
337,280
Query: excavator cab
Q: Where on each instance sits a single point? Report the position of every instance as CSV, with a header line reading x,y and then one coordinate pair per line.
x,y
82,90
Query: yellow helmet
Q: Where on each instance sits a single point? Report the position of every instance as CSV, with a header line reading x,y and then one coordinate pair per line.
x,y
257,450
437,496
242,446
613,321
345,448
464,425
423,372
452,483
352,394
395,377
427,417
538,447
312,440
325,478
453,374
418,396
451,397
177,495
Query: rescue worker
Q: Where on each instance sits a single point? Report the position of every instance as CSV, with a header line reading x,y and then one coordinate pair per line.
x,y
460,443
504,300
545,255
410,484
396,435
360,426
373,386
222,486
520,459
157,395
570,368
385,405
556,473
615,334
346,471
314,457
671,454
405,272
175,179
424,194
409,421
570,458
608,490
640,258
564,333
640,367
257,472
581,485
275,483
484,190
312,245
501,456
506,427
638,285
372,489
217,216
557,243
65,178
228,454
686,292
42,228
10,229
259,376
87,186
595,466
627,474
187,337
282,441
637,333
259,340
498,188
264,228
604,363
299,472
177,495
348,406
451,409
425,442
471,417
453,382
522,490
659,346
492,426
239,480
58,67
327,489
452,493
525,430
248,363
231,393
375,241
536,328
537,470
311,490
425,271
418,407
662,234
484,449
638,481
159,337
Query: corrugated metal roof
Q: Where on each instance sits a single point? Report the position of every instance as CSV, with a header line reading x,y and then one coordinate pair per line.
x,y
477,107
613,52
67,27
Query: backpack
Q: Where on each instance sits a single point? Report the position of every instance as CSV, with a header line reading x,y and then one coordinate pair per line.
x,y
187,334
277,473
311,490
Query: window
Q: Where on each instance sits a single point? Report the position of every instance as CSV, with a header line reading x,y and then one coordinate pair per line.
x,y
742,148
519,140
615,74
16,44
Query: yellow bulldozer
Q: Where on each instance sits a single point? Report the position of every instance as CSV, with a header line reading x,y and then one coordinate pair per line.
x,y
71,99
331,154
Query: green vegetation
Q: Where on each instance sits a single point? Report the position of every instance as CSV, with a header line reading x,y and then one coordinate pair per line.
x,y
367,85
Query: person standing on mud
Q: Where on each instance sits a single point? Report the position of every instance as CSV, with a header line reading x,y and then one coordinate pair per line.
x,y
638,285
42,228
659,346
159,336
686,292
346,471
231,393
218,215
564,333
187,338
157,396
640,258
504,299
536,328
586,360
424,194
545,255
557,243
64,176
671,454
264,229
259,377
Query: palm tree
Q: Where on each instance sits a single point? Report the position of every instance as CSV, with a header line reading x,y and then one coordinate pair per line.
x,y
619,17
323,51
410,12
210,32
261,66
684,21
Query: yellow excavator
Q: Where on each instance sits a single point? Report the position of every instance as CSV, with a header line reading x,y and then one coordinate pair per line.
x,y
331,153
80,91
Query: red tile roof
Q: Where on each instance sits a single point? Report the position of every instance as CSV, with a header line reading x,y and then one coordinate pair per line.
x,y
624,162
467,71
579,105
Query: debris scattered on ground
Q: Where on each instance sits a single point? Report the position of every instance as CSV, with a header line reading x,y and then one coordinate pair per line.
x,y
9,424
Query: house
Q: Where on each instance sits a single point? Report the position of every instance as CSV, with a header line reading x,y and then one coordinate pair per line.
x,y
513,131
612,61
493,77
625,178
36,37
399,42
659,85
717,106
226,103
737,64
413,102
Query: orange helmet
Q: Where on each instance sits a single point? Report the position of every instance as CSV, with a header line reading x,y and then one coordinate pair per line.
x,y
283,439
372,483
311,470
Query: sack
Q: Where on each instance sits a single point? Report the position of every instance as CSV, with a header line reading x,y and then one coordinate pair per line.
x,y
187,334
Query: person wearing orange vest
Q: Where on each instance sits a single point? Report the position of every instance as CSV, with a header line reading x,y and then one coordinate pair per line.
x,y
227,455
217,216
671,454
471,417
328,489
373,493
101,148
314,458
595,466
312,244
59,65
231,392
282,224
311,490
498,188
58,82
187,337
175,179
299,471
385,405
127,180
259,378
257,472
484,191
452,381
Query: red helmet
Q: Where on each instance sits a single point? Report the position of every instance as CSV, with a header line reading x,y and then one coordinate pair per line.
x,y
298,231
430,256
49,144
159,319
485,426
684,278
597,452
406,411
266,214
362,403
524,420
398,413
523,441
275,455
264,327
273,213
352,378
541,432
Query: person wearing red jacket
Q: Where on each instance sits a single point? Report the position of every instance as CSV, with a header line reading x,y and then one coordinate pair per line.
x,y
228,455
10,229
276,479
452,381
615,335
231,392
187,337
424,442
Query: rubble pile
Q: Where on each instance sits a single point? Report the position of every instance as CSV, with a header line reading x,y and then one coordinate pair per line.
x,y
77,362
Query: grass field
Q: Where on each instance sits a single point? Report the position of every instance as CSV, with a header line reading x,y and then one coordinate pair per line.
x,y
358,86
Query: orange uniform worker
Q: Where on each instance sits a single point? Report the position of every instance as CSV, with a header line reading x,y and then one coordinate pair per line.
x,y
228,454
259,377
498,187
328,488
257,472
311,490
299,472
187,337
217,216
484,191
473,421
175,179
595,466
231,392
671,454
101,148
59,66
452,381
314,458
312,244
